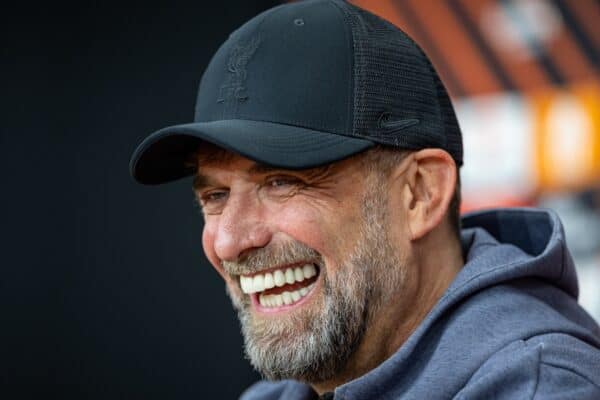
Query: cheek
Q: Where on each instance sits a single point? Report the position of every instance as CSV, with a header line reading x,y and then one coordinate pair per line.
x,y
208,240
299,222
310,226
333,231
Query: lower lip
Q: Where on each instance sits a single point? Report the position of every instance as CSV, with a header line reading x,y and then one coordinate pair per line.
x,y
285,307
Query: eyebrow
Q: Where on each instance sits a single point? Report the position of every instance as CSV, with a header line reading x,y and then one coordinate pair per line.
x,y
258,168
202,181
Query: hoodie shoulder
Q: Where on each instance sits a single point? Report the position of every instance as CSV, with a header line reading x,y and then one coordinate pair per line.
x,y
507,244
280,390
545,366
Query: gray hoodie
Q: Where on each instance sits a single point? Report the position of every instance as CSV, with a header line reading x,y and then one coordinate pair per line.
x,y
508,327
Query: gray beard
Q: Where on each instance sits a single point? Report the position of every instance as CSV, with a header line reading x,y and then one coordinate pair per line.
x,y
315,344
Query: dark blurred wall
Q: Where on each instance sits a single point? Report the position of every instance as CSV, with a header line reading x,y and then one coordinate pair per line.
x,y
105,292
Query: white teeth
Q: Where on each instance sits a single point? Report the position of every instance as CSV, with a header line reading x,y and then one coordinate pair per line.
x,y
269,282
280,277
278,300
287,298
309,271
246,284
258,283
263,300
298,274
289,276
296,295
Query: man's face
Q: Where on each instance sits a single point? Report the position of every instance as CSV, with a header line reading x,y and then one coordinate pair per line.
x,y
307,259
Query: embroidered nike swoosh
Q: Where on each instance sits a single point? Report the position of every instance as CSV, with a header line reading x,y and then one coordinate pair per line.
x,y
399,124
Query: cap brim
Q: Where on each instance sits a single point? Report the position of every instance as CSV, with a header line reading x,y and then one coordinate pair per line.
x,y
162,156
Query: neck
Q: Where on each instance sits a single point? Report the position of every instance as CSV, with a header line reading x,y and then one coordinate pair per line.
x,y
425,283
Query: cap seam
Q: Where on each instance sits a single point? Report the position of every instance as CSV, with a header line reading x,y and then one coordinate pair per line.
x,y
359,94
351,62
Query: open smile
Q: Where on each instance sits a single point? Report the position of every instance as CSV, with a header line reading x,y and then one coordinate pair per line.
x,y
281,288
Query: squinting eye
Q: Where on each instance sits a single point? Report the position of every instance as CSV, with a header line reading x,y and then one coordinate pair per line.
x,y
214,196
280,182
212,202
282,186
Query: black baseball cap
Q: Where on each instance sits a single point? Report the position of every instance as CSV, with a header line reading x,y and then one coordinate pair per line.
x,y
305,84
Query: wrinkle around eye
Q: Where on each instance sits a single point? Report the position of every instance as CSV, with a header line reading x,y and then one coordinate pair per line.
x,y
283,186
282,181
212,202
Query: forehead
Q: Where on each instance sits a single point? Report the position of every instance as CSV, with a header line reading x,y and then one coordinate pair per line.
x,y
210,154
211,160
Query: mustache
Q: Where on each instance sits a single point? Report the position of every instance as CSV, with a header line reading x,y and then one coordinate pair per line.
x,y
271,256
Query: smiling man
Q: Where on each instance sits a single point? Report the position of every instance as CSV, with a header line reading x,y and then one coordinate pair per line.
x,y
326,152
307,293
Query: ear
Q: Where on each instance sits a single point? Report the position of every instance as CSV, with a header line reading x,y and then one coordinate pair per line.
x,y
428,190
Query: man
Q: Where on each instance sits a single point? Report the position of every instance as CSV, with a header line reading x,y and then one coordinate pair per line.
x,y
326,152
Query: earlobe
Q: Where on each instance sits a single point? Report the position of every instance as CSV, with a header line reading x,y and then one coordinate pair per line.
x,y
430,187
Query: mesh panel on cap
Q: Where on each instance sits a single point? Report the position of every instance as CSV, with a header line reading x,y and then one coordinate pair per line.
x,y
451,128
393,76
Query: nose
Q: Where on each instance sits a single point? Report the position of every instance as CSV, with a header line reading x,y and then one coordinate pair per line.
x,y
241,228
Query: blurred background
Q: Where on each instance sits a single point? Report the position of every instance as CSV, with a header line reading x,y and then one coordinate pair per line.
x,y
525,80
104,291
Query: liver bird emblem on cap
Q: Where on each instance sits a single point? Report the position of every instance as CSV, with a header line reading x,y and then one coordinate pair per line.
x,y
233,90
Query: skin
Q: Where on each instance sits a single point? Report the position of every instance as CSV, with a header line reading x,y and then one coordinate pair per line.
x,y
247,207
